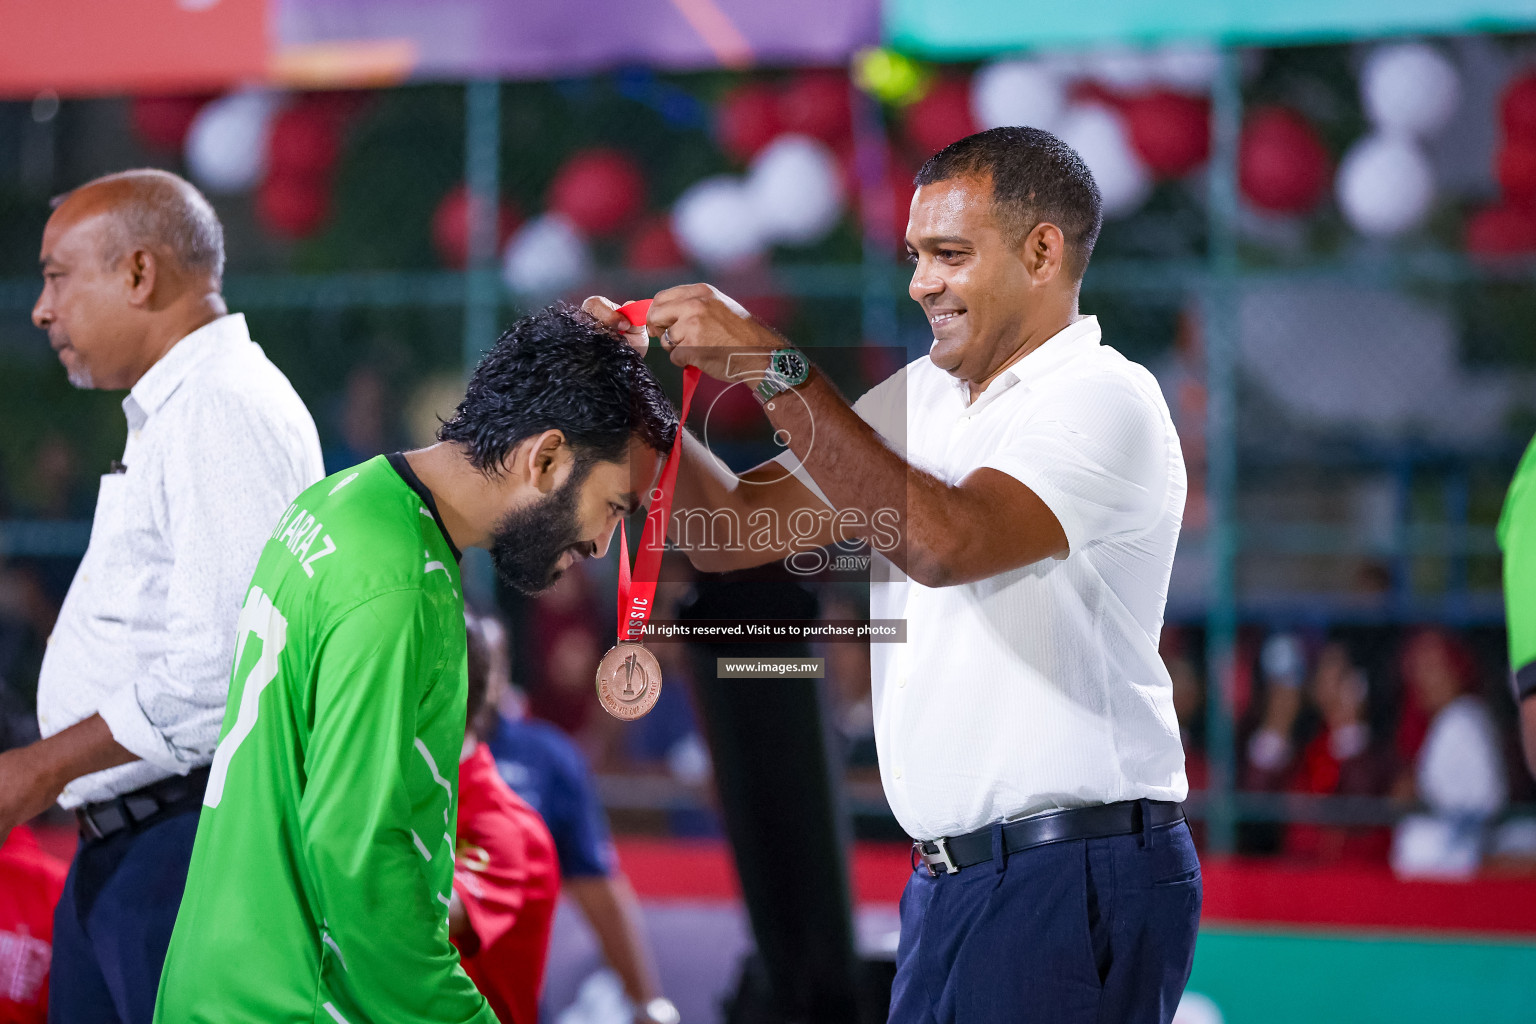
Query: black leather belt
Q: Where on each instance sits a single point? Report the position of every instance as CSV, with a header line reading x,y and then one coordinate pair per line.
x,y
177,793
948,854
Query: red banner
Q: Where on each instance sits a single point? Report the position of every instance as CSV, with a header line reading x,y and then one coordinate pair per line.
x,y
93,47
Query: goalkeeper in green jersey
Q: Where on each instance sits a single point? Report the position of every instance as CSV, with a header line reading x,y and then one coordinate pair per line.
x,y
323,867
1517,539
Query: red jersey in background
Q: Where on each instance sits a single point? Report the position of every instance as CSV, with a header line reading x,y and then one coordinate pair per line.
x,y
30,884
508,879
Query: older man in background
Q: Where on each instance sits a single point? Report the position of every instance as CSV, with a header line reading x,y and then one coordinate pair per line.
x,y
132,689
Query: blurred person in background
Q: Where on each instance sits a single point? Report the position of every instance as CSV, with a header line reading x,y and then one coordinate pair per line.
x,y
506,881
1517,539
1188,702
1459,773
362,420
1344,759
1269,752
547,770
30,883
132,689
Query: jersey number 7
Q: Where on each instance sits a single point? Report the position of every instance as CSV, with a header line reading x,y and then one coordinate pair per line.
x,y
259,617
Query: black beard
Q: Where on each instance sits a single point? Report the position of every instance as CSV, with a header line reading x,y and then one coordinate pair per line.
x,y
529,541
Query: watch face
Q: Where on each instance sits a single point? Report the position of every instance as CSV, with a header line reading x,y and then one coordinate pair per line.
x,y
791,365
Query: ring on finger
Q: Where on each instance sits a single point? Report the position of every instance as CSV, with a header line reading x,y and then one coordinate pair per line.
x,y
666,339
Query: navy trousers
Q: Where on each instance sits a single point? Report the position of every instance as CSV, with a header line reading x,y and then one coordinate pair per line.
x,y
113,922
1098,930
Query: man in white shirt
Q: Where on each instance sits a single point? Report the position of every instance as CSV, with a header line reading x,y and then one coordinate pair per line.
x,y
132,689
1026,732
1459,773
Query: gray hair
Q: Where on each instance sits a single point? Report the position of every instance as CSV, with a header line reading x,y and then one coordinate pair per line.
x,y
163,211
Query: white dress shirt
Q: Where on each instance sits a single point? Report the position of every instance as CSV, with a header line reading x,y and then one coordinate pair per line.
x,y
1040,687
218,445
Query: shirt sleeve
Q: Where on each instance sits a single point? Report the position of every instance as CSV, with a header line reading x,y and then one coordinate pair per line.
x,y
228,473
1096,452
582,842
1517,538
378,902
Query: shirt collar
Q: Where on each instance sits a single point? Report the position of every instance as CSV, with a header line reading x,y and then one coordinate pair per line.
x,y
1053,353
161,380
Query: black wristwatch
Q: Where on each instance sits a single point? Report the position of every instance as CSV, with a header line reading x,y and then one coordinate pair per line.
x,y
787,367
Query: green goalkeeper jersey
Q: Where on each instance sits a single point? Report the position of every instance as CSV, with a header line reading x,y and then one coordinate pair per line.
x,y
323,867
1517,539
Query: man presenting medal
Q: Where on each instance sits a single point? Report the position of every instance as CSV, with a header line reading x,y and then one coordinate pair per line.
x,y
1026,733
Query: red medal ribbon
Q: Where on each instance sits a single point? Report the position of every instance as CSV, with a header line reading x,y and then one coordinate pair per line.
x,y
637,596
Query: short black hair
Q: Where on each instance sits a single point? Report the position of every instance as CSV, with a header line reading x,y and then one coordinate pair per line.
x,y
560,369
1036,178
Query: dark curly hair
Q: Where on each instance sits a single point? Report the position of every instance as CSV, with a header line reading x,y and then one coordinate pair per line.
x,y
560,369
1036,178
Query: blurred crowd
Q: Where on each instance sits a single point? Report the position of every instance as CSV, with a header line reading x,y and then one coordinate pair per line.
x,y
1415,723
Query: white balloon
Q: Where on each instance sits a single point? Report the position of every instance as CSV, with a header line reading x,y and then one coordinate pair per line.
x,y
1409,87
1385,185
1186,67
1100,138
1121,67
716,223
226,147
547,256
1017,92
796,189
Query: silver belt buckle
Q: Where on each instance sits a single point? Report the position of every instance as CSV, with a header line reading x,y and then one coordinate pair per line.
x,y
930,860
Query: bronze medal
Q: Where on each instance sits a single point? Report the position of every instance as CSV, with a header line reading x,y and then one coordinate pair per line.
x,y
628,681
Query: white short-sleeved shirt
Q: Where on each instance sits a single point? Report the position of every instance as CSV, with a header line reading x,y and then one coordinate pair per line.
x,y
1040,687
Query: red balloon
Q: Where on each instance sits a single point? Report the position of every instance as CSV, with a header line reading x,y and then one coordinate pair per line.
x,y
1517,107
1517,170
161,122
747,120
293,205
1282,164
815,103
305,141
653,247
600,190
450,226
1170,131
941,117
1501,231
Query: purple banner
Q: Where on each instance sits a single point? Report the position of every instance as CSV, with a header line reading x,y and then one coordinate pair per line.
x,y
458,39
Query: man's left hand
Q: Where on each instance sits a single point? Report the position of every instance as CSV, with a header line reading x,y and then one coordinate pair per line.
x,y
27,787
699,325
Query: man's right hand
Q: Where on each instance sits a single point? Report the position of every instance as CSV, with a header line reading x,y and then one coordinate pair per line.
x,y
606,312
